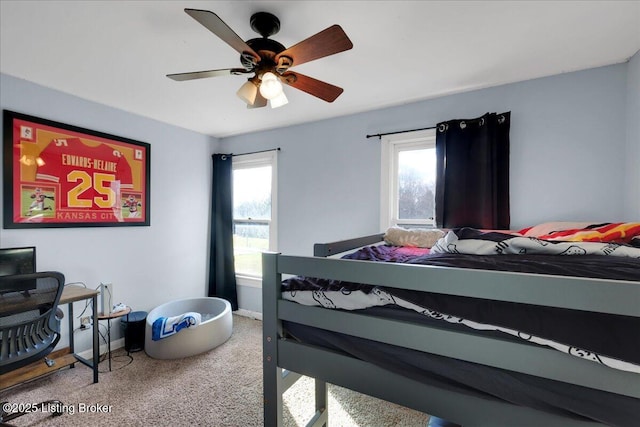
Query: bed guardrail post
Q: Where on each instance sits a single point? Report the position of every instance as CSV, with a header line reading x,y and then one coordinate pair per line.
x,y
271,330
321,402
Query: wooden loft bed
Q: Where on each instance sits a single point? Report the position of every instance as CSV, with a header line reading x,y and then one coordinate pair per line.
x,y
286,359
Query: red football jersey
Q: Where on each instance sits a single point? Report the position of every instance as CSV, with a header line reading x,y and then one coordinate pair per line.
x,y
86,174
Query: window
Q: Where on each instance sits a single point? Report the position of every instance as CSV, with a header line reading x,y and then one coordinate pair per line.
x,y
408,179
254,208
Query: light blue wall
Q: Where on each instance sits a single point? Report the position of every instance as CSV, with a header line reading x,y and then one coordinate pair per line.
x,y
632,193
568,151
574,142
147,265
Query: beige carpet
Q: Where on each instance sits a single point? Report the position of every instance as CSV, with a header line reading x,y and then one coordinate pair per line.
x,y
222,387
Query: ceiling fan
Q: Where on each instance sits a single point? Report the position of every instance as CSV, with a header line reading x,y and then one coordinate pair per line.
x,y
269,61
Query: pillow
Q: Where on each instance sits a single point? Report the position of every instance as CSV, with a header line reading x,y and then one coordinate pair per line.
x,y
420,238
620,232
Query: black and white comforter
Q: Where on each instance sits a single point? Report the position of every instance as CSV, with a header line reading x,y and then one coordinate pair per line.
x,y
605,339
475,242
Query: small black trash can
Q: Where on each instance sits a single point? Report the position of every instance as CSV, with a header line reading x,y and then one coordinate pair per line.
x,y
133,328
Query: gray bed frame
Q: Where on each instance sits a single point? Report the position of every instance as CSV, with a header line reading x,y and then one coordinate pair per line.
x,y
285,360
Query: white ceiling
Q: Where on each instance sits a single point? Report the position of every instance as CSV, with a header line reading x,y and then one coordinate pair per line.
x,y
118,52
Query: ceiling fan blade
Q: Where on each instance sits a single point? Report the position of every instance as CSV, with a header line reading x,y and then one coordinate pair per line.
x,y
213,23
317,88
327,42
179,77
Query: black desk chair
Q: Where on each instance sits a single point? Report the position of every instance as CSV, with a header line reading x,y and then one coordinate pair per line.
x,y
29,325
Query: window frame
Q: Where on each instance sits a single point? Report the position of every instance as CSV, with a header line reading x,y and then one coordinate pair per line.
x,y
254,160
391,146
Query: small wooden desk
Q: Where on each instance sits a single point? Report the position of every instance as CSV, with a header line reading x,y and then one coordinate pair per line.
x,y
71,294
108,318
66,356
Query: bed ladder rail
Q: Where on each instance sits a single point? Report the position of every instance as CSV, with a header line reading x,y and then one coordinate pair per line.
x,y
288,378
275,379
320,418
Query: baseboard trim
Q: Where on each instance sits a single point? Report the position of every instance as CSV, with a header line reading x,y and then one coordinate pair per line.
x,y
116,344
250,314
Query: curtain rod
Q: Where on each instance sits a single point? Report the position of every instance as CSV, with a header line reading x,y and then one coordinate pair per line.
x,y
255,152
380,135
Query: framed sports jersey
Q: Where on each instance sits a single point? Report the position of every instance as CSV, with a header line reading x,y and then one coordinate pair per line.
x,y
58,175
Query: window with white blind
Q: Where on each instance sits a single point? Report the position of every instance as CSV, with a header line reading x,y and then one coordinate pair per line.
x,y
408,179
254,213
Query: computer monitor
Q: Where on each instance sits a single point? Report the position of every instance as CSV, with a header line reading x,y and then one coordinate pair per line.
x,y
17,260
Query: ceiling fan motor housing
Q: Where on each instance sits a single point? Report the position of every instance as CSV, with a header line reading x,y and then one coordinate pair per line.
x,y
265,24
266,48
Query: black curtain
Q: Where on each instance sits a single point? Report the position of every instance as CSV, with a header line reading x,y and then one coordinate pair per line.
x,y
222,274
472,172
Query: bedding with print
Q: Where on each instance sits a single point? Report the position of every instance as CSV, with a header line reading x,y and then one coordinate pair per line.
x,y
475,242
602,338
618,232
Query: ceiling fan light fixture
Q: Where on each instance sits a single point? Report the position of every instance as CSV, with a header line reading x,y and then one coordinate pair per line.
x,y
279,100
269,60
248,92
270,87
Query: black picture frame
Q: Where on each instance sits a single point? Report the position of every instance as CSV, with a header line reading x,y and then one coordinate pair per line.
x,y
60,175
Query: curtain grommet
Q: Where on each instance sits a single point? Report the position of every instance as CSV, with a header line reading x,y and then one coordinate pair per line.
x,y
463,124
